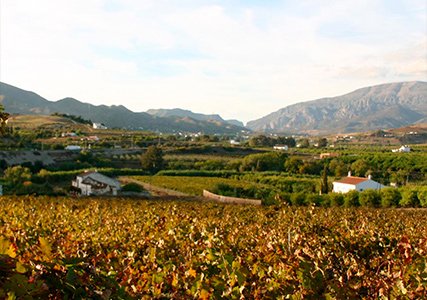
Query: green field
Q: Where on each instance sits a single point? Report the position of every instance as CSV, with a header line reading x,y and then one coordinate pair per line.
x,y
59,248
193,185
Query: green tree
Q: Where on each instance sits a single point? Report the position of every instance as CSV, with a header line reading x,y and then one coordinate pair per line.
x,y
369,198
422,196
17,175
304,143
338,168
4,116
390,197
293,164
409,198
152,159
351,199
324,187
360,167
322,142
336,199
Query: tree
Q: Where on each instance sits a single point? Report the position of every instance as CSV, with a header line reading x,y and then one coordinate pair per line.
x,y
360,167
351,198
322,143
152,159
409,198
293,164
338,168
304,143
17,175
324,188
4,116
422,196
369,198
390,197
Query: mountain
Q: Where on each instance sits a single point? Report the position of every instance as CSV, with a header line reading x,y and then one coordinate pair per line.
x,y
18,101
236,122
178,112
377,107
182,113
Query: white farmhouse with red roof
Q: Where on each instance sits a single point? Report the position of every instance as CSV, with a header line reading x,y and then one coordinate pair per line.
x,y
359,184
94,183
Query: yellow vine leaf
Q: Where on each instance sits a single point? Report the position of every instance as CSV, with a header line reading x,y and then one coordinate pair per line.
x,y
7,248
192,272
204,295
45,247
20,268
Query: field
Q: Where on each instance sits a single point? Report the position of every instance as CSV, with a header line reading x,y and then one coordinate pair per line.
x,y
192,185
36,121
119,248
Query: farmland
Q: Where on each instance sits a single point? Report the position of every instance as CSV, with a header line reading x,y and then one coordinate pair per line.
x,y
104,248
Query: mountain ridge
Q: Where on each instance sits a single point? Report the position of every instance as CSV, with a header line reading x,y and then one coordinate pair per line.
x,y
359,110
19,101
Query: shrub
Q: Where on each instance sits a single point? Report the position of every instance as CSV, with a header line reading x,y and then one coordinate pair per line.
x,y
298,198
390,197
369,198
409,198
313,199
326,200
132,187
422,196
351,199
336,199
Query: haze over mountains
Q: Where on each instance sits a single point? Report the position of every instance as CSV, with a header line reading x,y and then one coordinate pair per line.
x,y
378,107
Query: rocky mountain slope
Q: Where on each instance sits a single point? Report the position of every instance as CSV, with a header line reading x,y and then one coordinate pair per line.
x,y
378,107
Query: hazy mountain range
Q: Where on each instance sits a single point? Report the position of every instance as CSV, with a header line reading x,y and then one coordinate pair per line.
x,y
18,101
378,107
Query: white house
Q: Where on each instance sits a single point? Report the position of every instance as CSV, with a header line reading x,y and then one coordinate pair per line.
x,y
281,147
73,148
359,184
234,142
404,149
94,183
99,126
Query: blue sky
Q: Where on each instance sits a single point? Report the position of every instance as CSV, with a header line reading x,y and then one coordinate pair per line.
x,y
240,59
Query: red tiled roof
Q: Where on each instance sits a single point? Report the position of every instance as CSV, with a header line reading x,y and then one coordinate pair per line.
x,y
352,180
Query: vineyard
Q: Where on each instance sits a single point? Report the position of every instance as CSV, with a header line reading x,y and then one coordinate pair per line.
x,y
55,248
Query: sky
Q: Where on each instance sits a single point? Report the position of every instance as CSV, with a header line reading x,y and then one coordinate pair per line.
x,y
240,59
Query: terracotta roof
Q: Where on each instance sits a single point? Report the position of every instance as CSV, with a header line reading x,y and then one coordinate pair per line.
x,y
352,180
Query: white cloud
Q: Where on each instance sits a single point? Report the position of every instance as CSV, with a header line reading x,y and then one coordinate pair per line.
x,y
241,61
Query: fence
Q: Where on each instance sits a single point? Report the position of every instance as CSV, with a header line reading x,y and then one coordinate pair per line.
x,y
225,199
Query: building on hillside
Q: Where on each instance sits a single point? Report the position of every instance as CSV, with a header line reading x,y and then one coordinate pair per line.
x,y
329,154
404,149
99,126
68,134
359,184
281,147
73,148
94,183
234,142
